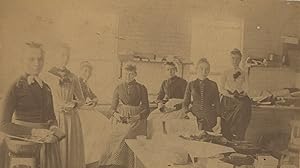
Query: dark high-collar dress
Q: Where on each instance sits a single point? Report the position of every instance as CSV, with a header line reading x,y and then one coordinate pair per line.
x,y
32,107
132,94
129,100
172,88
28,103
206,101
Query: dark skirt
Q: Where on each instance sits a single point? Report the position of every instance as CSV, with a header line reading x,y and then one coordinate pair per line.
x,y
236,115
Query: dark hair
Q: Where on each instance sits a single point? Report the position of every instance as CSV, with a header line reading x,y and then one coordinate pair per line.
x,y
36,45
202,60
130,67
170,64
236,51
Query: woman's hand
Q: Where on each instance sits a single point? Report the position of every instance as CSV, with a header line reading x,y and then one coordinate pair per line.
x,y
160,106
190,115
91,103
51,139
44,135
59,133
133,119
217,128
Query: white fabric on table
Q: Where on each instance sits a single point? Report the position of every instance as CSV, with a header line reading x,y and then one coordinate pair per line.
x,y
96,129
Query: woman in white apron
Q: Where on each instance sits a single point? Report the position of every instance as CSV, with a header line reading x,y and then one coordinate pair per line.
x,y
65,86
170,99
130,108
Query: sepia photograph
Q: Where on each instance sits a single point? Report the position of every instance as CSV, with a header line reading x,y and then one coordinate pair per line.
x,y
150,84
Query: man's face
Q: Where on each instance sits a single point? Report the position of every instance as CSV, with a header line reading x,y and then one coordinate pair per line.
x,y
203,70
129,75
33,61
170,70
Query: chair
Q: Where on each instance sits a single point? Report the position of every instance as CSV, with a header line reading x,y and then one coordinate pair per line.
x,y
23,154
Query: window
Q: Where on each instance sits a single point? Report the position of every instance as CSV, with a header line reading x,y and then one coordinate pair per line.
x,y
214,39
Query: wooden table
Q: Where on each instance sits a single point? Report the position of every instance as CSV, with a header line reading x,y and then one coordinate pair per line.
x,y
271,119
149,155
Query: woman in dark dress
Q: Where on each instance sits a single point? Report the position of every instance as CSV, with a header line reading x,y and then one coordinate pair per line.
x,y
206,101
169,100
171,88
29,99
129,110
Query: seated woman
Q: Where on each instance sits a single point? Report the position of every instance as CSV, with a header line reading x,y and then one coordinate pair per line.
x,y
206,101
171,88
128,119
91,120
29,99
235,104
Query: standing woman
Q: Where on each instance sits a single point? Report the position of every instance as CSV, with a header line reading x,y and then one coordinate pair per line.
x,y
236,105
65,86
205,96
92,120
29,100
130,108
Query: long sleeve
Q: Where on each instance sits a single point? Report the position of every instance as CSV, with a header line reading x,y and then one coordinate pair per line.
x,y
222,84
184,87
6,112
187,97
246,83
115,100
216,100
144,103
161,93
92,95
52,113
78,91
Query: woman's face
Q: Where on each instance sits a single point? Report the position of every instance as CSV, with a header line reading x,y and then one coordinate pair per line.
x,y
235,60
170,70
203,70
129,75
86,73
63,57
33,61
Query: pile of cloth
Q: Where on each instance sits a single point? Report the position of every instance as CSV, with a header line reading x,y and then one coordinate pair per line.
x,y
285,97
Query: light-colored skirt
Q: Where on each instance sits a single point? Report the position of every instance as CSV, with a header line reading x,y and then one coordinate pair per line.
x,y
49,153
117,152
96,129
156,117
72,147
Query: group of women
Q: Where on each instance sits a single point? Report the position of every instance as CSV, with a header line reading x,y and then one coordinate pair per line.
x,y
36,108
